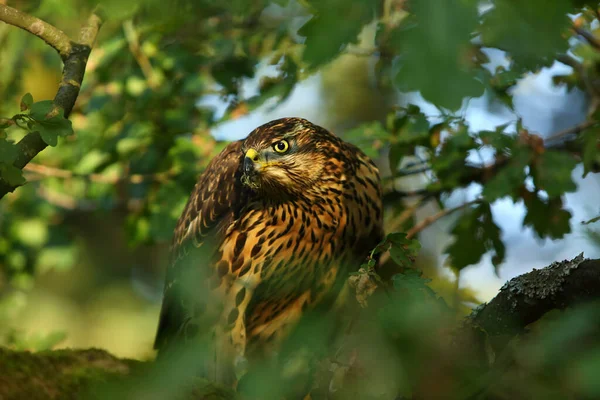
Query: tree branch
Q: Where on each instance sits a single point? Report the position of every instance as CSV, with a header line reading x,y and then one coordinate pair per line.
x,y
75,62
52,172
50,34
526,298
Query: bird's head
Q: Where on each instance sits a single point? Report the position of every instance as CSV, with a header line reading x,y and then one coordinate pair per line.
x,y
286,156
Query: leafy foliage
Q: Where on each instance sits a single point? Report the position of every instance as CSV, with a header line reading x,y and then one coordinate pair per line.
x,y
534,36
164,77
325,40
475,234
438,33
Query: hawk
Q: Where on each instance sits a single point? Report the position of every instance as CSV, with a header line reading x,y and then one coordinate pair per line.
x,y
271,230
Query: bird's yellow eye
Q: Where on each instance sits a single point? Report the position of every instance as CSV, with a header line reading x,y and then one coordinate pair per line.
x,y
281,147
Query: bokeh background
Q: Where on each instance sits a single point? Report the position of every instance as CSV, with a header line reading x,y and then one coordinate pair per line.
x,y
84,244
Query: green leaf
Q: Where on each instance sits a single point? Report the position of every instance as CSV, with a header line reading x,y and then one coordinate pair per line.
x,y
499,140
49,137
11,174
475,234
416,129
40,109
231,71
547,218
434,43
26,102
411,279
91,161
326,34
449,164
402,250
532,32
8,151
509,178
370,137
50,128
553,173
32,232
590,139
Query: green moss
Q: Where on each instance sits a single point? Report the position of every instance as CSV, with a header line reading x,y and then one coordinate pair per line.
x,y
92,374
62,374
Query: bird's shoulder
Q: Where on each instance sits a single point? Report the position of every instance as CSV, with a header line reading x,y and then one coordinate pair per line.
x,y
217,196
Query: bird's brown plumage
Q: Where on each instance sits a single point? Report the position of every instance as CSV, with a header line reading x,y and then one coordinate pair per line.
x,y
273,234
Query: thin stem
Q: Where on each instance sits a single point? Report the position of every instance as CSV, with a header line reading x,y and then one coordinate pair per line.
x,y
50,34
433,218
52,172
574,130
134,46
588,36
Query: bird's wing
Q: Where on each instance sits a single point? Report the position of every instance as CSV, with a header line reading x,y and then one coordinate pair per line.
x,y
216,196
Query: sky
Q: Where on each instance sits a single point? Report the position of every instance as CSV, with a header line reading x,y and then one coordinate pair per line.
x,y
544,109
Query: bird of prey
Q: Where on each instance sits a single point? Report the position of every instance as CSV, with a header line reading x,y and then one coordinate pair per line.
x,y
271,230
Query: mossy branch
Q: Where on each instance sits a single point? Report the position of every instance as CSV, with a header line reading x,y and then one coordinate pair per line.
x,y
527,298
67,374
75,55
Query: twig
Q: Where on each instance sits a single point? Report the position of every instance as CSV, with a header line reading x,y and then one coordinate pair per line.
x,y
432,218
589,85
396,195
397,222
591,221
574,130
72,77
588,36
134,46
360,52
65,201
98,178
50,34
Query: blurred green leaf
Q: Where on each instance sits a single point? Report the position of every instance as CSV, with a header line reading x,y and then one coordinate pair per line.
x,y
510,177
8,151
32,232
402,250
435,43
26,102
553,173
547,218
415,129
530,31
370,137
325,39
59,258
590,139
91,161
410,279
475,234
231,71
11,174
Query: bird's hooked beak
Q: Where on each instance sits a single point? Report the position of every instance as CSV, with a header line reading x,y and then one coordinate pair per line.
x,y
251,162
252,165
